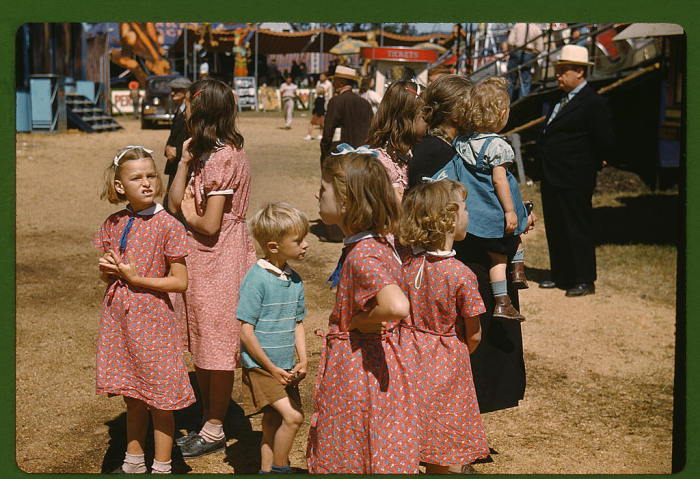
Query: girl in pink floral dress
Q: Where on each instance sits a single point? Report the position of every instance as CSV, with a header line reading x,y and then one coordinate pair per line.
x,y
211,188
443,328
395,128
365,404
138,346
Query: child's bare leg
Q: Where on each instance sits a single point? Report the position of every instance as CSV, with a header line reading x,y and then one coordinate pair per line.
x,y
204,383
271,421
436,469
136,426
497,272
292,419
163,430
219,395
310,129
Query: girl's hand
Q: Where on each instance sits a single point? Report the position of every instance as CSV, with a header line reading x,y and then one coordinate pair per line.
x,y
127,271
187,206
186,157
282,376
108,265
511,221
362,323
531,219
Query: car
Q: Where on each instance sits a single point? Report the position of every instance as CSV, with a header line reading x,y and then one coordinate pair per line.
x,y
158,108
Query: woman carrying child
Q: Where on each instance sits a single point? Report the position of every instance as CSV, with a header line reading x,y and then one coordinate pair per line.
x,y
497,365
139,355
211,189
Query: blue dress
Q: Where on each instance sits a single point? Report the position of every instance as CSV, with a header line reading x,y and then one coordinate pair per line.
x,y
486,216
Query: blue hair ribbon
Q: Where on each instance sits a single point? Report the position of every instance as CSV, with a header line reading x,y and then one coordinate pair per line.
x,y
344,149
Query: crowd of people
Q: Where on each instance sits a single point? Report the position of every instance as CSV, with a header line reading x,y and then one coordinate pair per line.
x,y
431,221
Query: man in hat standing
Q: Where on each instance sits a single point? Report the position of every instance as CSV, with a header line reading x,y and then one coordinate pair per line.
x,y
347,121
348,115
178,131
575,143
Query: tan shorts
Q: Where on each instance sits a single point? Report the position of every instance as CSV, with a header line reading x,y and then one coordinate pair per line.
x,y
265,390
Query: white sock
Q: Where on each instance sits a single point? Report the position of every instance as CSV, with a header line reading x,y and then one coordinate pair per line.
x,y
212,432
134,464
161,467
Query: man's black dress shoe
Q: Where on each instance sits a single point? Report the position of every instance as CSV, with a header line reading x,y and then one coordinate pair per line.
x,y
197,447
547,284
581,290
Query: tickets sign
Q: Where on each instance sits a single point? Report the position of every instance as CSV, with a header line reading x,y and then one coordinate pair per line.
x,y
399,54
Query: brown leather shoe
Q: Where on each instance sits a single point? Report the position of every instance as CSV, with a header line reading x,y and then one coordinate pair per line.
x,y
517,275
505,310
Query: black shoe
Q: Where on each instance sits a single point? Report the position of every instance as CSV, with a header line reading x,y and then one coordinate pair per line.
x,y
197,447
118,470
183,439
547,284
581,290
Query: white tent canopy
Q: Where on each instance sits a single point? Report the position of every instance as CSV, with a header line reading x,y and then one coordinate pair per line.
x,y
638,30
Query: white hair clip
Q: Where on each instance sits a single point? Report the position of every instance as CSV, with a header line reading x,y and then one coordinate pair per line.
x,y
116,159
344,148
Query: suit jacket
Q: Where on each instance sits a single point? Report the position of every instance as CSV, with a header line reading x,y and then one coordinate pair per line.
x,y
178,135
573,146
352,114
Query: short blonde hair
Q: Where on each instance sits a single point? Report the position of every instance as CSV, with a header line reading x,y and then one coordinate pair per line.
x,y
486,103
361,183
428,214
112,172
274,221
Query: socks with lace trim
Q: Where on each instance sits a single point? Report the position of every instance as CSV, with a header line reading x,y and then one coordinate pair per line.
x,y
212,432
134,464
161,467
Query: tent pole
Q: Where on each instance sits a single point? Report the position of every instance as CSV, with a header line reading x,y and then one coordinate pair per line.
x,y
321,68
381,34
184,50
257,107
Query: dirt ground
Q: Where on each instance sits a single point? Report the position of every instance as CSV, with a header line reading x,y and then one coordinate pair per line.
x,y
599,368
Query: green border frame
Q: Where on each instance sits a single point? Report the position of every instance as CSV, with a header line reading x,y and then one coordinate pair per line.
x,y
18,13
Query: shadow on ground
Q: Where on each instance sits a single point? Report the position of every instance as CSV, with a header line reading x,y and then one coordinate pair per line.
x,y
647,219
243,455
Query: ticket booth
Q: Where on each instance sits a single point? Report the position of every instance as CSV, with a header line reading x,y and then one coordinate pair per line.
x,y
394,63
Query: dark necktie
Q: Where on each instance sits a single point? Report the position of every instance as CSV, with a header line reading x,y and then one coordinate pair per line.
x,y
334,278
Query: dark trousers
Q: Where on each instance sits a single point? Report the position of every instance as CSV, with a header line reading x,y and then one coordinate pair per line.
x,y
568,219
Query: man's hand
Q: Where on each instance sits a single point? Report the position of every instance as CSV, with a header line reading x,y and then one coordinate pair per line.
x,y
298,373
170,153
531,220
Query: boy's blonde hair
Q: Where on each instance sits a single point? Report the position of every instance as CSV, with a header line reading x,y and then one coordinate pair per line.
x,y
428,214
112,172
486,103
360,183
274,221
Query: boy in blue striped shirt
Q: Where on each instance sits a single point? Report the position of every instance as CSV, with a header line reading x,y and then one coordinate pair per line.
x,y
271,310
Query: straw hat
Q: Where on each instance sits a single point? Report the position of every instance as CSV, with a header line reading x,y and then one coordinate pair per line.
x,y
575,55
346,72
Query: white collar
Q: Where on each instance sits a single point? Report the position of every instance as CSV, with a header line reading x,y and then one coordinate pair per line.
x,y
151,210
359,237
284,275
369,234
439,253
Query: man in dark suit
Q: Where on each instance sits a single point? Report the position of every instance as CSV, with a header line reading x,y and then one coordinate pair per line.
x,y
178,131
348,115
574,144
